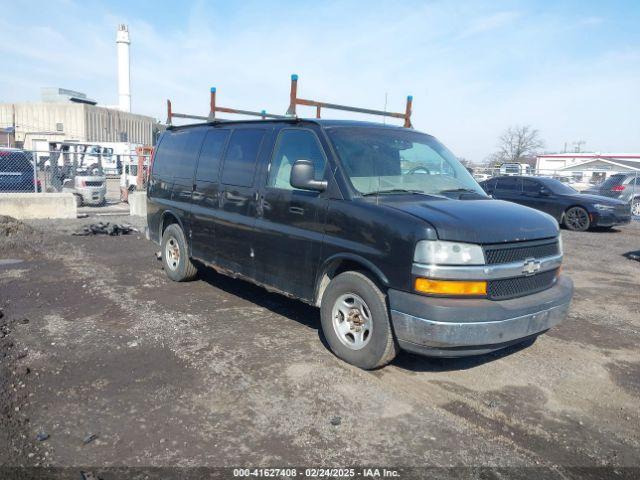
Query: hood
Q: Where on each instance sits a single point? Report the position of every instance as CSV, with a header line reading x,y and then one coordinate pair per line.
x,y
598,199
478,221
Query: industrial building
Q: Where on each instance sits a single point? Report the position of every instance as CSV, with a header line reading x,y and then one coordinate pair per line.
x,y
33,123
65,115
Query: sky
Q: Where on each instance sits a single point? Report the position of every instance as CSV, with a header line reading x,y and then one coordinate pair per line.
x,y
570,69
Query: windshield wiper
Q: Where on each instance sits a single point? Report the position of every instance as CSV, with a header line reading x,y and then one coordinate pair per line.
x,y
461,190
393,190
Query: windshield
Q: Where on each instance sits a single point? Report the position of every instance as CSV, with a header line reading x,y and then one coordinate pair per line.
x,y
385,160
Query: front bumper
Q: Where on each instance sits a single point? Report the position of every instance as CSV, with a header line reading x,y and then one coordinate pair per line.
x,y
450,327
610,219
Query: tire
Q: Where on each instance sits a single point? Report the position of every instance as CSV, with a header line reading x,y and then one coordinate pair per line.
x,y
635,207
577,219
78,199
175,256
351,301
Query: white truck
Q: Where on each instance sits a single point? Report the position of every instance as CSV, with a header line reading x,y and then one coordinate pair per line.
x,y
515,169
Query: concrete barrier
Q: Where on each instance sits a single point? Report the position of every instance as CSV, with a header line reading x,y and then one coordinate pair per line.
x,y
138,204
38,205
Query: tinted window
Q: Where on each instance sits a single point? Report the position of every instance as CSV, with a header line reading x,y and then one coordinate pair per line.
x,y
295,145
177,153
240,159
510,184
489,185
209,162
529,186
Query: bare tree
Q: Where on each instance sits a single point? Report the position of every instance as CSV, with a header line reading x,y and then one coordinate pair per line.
x,y
517,143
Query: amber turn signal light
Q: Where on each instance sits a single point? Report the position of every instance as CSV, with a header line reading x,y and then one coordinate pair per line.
x,y
450,287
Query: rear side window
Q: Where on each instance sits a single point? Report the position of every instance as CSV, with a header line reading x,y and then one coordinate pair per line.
x,y
489,185
529,186
240,158
210,155
295,145
510,184
177,153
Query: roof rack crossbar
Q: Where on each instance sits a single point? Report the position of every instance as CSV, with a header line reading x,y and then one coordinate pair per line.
x,y
295,100
213,108
171,114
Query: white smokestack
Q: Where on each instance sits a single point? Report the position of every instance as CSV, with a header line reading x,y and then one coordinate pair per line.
x,y
124,79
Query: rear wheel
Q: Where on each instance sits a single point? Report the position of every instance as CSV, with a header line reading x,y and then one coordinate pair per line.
x,y
355,321
175,256
577,219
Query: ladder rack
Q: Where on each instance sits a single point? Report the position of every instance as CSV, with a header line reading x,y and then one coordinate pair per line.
x,y
294,100
213,108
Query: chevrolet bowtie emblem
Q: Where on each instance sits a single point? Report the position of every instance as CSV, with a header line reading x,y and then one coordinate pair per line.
x,y
531,266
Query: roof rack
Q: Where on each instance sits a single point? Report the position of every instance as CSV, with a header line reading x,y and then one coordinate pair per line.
x,y
213,108
295,100
291,112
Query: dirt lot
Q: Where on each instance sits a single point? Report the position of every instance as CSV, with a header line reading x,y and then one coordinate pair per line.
x,y
95,340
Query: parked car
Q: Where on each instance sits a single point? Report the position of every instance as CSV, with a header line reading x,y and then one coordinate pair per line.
x,y
16,171
379,226
574,210
623,186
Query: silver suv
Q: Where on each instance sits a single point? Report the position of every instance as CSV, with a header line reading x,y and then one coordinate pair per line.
x,y
623,186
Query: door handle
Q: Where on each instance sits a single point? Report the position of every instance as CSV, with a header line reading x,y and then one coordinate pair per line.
x,y
296,210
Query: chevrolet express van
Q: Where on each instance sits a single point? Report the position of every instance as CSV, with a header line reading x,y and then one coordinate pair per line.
x,y
380,227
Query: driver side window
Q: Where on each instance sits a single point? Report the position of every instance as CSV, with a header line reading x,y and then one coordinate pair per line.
x,y
293,145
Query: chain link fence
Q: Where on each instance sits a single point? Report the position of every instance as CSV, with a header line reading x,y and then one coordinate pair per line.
x,y
18,172
91,177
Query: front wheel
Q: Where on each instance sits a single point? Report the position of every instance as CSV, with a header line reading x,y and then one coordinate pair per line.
x,y
175,257
577,219
355,321
635,207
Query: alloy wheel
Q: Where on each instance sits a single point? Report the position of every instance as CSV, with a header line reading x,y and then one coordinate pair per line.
x,y
577,218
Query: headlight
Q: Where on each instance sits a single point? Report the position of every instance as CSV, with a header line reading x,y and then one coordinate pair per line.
x,y
437,252
602,207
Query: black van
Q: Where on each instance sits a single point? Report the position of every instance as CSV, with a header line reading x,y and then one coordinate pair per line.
x,y
379,226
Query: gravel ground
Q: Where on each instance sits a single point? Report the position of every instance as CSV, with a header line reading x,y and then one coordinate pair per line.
x,y
121,367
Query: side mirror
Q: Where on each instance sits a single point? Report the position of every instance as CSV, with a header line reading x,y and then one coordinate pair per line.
x,y
302,174
544,192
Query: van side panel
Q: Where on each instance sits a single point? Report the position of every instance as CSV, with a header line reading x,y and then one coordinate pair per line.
x,y
172,177
378,235
158,191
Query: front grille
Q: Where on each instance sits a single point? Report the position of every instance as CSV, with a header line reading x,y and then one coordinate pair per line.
x,y
520,286
515,252
92,183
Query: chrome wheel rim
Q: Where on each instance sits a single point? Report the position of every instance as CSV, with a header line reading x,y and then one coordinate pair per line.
x,y
172,253
577,218
352,321
635,208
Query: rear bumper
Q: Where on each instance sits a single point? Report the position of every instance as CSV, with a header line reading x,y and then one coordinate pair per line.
x,y
449,327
